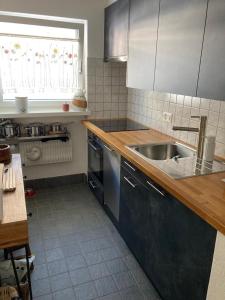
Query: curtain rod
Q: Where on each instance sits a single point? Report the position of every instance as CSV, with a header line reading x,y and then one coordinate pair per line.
x,y
39,37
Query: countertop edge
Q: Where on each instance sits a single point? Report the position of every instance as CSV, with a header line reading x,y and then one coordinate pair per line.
x,y
169,184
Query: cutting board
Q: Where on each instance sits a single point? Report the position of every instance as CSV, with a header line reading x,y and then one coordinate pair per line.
x,y
1,191
9,180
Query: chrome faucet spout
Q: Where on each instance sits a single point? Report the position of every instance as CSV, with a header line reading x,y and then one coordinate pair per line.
x,y
201,130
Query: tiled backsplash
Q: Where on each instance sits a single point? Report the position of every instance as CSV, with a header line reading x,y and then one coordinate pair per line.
x,y
108,97
148,107
107,92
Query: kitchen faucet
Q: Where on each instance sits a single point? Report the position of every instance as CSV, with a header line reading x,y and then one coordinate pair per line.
x,y
201,130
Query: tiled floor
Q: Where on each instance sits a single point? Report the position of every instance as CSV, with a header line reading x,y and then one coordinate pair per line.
x,y
79,253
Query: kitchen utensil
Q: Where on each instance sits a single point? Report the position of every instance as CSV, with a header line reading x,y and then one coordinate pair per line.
x,y
21,104
11,130
9,180
35,129
5,154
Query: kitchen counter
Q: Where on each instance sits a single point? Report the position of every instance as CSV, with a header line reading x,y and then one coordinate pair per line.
x,y
205,195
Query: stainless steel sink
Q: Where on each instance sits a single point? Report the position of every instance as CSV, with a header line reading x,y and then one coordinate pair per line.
x,y
176,160
163,151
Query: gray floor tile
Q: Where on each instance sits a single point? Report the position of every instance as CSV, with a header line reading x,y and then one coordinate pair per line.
x,y
51,243
110,253
140,277
114,296
40,272
71,250
93,258
105,286
54,254
124,280
75,262
44,297
132,293
60,281
86,291
57,267
98,271
71,221
131,262
41,287
80,276
116,266
67,294
40,258
66,240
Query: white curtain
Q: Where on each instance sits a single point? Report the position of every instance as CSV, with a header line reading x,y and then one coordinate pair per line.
x,y
38,68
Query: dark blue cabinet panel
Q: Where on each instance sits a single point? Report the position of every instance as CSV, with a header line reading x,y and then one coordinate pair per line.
x,y
180,37
212,76
173,245
116,30
142,43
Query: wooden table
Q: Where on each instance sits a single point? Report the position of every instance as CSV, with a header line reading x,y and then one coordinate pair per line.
x,y
14,225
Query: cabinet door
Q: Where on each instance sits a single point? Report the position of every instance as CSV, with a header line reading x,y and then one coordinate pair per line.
x,y
212,70
116,30
142,43
180,37
134,214
182,246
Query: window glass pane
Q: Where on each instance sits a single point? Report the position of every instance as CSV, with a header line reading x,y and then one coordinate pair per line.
x,y
39,68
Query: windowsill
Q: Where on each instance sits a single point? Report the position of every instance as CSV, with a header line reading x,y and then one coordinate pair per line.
x,y
45,112
41,109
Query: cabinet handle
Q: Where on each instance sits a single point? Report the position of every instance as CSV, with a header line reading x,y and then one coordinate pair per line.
x,y
111,150
92,146
92,184
155,188
130,183
132,168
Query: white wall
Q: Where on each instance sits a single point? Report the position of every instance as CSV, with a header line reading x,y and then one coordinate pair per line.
x,y
91,10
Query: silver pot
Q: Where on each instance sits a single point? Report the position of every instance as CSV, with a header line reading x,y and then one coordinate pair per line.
x,y
11,130
35,129
56,127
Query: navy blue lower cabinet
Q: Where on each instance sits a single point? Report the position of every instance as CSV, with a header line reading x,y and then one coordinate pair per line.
x,y
173,245
133,214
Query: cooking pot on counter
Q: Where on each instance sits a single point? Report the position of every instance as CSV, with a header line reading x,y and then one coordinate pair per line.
x,y
11,130
35,129
5,154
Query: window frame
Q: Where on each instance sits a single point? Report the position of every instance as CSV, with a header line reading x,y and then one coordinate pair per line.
x,y
51,21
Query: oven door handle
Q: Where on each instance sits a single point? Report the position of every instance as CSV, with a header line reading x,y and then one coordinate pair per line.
x,y
92,146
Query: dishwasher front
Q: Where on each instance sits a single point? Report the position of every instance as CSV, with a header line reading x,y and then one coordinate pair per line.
x,y
111,171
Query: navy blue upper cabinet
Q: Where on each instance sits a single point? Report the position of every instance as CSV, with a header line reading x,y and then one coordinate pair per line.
x,y
116,31
180,37
142,43
212,69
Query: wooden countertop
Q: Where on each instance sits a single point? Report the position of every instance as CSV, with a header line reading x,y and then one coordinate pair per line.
x,y
14,227
205,195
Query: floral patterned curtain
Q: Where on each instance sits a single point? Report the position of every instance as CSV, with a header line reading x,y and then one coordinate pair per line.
x,y
39,68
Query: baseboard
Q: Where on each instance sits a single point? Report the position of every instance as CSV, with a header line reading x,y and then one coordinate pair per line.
x,y
56,181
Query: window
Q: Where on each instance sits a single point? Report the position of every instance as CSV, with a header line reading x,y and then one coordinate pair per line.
x,y
38,61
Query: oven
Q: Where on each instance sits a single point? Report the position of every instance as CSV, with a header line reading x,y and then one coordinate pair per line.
x,y
95,166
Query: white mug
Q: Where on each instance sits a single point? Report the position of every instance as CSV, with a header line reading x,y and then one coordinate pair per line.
x,y
21,104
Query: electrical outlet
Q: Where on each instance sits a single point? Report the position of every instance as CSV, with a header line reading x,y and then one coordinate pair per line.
x,y
167,117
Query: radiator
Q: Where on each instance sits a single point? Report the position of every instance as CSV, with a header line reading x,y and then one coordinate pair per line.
x,y
41,153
